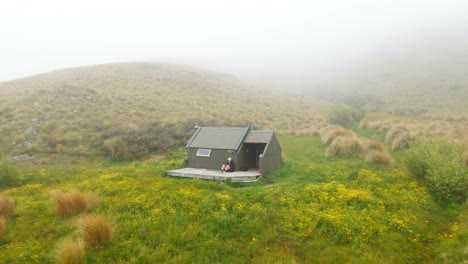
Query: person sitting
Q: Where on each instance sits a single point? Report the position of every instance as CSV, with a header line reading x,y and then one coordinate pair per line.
x,y
229,166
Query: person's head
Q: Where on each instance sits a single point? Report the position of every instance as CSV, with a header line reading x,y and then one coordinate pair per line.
x,y
229,159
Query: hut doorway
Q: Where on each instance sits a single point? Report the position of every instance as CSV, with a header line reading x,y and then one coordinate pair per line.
x,y
253,151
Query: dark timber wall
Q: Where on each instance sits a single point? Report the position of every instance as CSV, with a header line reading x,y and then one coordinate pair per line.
x,y
271,158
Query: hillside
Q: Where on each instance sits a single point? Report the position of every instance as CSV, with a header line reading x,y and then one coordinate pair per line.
x,y
73,111
427,77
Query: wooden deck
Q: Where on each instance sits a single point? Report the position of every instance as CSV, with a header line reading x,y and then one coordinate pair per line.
x,y
237,176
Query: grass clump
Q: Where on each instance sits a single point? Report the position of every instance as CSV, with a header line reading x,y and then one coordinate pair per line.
x,y
375,145
393,132
96,230
402,141
74,202
345,146
70,252
329,135
7,205
379,157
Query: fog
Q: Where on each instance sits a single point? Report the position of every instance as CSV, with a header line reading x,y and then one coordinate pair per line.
x,y
279,43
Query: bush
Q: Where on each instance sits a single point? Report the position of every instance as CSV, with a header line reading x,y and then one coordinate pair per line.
x,y
379,157
341,115
9,175
7,205
155,136
345,146
69,251
440,165
117,147
74,202
96,230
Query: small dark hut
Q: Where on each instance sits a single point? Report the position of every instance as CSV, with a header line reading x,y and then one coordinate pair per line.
x,y
209,147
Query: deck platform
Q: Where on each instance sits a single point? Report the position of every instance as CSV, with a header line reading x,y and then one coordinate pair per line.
x,y
237,176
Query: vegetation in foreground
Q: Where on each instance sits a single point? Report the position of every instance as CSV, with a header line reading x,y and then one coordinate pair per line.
x,y
313,209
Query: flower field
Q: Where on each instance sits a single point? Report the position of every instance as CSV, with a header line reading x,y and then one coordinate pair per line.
x,y
313,209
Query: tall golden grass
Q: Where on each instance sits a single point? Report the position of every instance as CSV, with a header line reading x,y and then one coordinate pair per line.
x,y
454,132
402,141
329,134
374,145
70,252
379,157
345,146
74,202
96,230
7,205
393,132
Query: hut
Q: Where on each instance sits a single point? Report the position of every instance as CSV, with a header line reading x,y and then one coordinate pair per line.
x,y
251,150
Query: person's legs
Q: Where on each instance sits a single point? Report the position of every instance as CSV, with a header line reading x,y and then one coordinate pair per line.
x,y
223,167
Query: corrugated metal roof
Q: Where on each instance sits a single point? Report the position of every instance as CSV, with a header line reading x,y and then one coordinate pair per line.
x,y
218,137
258,136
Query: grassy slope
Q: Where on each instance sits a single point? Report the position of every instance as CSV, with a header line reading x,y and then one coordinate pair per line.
x,y
311,210
68,111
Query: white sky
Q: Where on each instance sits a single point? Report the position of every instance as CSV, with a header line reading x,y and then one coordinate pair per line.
x,y
232,36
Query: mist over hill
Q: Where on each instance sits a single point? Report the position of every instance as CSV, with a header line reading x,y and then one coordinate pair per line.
x,y
425,75
74,111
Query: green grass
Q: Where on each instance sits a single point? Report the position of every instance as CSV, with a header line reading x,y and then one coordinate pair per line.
x,y
313,209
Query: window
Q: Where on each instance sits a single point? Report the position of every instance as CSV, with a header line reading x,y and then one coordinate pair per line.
x,y
204,152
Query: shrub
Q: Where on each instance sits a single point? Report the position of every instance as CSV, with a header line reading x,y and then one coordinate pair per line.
x,y
9,175
379,157
96,230
440,165
345,146
69,251
7,205
73,202
155,136
357,114
2,226
117,147
329,135
341,115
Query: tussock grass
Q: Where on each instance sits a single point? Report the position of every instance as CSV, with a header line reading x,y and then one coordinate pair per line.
x,y
7,205
74,202
329,135
345,146
379,157
402,141
394,132
433,129
70,252
374,145
2,226
96,230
